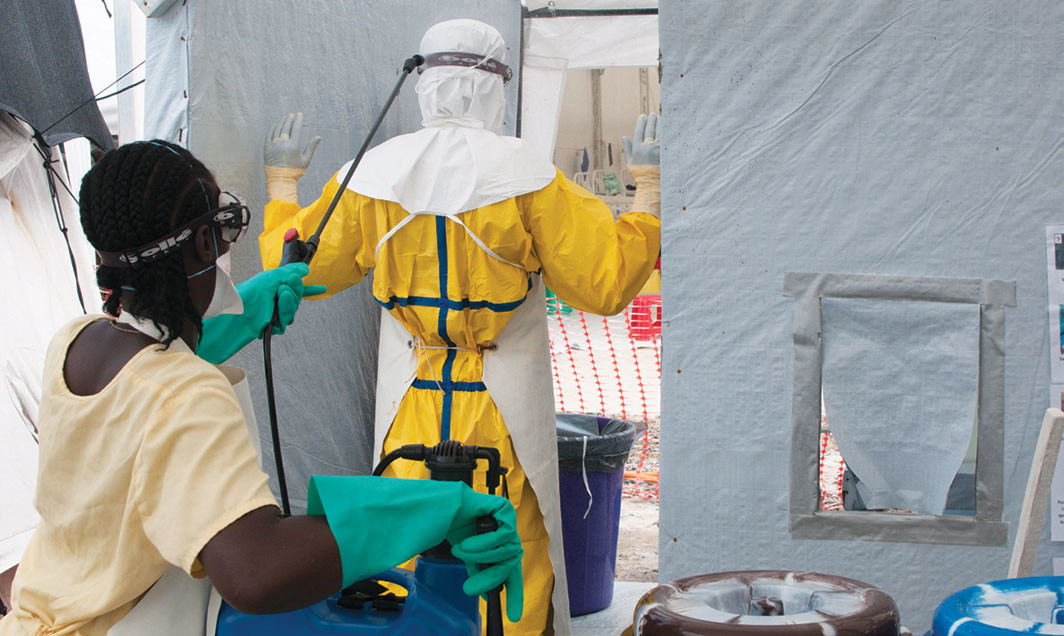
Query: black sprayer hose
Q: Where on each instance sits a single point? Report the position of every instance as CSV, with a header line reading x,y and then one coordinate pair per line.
x,y
274,433
311,247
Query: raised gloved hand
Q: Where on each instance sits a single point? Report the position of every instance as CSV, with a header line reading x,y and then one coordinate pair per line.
x,y
643,155
224,335
380,522
285,160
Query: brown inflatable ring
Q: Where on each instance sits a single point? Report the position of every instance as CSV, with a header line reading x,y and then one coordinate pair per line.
x,y
766,602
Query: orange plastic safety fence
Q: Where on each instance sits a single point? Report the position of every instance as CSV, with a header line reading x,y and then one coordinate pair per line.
x,y
616,363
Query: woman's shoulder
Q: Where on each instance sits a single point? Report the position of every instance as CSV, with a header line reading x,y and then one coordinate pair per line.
x,y
175,370
65,335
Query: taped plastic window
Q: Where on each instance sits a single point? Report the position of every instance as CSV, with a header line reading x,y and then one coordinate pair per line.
x,y
900,386
906,375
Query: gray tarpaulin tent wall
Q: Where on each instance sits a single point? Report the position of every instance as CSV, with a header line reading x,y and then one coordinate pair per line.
x,y
808,144
220,75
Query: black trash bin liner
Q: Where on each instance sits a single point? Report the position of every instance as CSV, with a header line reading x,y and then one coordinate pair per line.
x,y
608,442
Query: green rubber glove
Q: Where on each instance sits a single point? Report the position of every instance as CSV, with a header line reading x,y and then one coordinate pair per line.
x,y
224,335
492,558
380,522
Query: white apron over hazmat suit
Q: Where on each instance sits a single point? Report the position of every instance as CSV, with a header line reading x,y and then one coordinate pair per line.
x,y
462,228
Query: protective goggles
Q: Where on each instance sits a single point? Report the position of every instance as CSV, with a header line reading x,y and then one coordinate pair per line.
x,y
230,219
470,60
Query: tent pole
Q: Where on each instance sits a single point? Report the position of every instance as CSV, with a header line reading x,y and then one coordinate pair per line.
x,y
521,70
547,12
57,209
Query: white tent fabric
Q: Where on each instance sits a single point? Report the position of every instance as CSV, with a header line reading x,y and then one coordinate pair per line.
x,y
555,45
40,293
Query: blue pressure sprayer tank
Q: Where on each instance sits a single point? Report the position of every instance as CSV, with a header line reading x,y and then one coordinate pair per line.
x,y
434,605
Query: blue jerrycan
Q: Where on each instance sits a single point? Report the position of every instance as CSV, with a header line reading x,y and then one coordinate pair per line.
x,y
435,603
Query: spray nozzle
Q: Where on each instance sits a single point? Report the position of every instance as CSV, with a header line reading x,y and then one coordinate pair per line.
x,y
413,62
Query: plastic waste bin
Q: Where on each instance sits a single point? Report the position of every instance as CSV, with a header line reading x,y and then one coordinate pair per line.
x,y
766,603
591,455
1013,606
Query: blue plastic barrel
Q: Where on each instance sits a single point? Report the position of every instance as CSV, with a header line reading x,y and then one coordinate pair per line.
x,y
434,606
594,448
1032,605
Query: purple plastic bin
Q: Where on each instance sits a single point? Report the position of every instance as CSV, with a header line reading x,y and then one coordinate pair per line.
x,y
590,536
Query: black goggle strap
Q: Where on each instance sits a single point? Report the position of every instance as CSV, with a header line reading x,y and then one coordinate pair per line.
x,y
232,215
470,60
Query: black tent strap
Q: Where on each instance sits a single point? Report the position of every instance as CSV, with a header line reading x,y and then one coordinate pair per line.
x,y
120,91
57,209
93,98
48,162
548,12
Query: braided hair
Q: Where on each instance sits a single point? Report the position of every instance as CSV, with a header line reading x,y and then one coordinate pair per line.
x,y
133,195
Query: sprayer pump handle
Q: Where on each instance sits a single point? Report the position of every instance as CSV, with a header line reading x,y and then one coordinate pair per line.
x,y
295,250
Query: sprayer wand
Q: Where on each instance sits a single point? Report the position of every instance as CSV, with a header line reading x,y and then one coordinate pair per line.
x,y
304,251
297,251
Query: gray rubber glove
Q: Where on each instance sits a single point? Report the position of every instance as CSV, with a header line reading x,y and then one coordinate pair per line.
x,y
643,155
285,159
644,149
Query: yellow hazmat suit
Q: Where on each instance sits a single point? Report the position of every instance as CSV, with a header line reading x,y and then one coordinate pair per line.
x,y
448,292
454,265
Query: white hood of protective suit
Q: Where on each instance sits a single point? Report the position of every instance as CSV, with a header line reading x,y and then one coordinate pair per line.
x,y
457,162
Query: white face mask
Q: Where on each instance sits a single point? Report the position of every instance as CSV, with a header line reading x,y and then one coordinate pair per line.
x,y
225,300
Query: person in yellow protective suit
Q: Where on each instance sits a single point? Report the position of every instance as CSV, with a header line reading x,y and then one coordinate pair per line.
x,y
462,228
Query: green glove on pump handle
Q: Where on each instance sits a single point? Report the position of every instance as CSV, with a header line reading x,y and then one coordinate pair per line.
x,y
379,522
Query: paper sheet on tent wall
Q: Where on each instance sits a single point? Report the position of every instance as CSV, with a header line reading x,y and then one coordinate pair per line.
x,y
881,357
1055,297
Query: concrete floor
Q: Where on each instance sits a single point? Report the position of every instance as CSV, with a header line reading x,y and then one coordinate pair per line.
x,y
618,616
